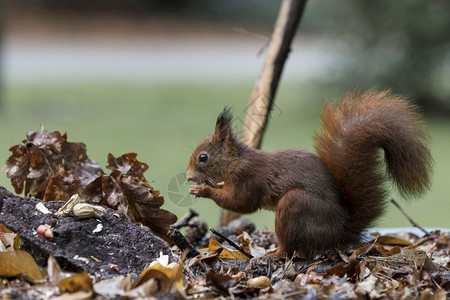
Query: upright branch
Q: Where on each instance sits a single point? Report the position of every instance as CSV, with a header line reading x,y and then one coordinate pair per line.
x,y
263,94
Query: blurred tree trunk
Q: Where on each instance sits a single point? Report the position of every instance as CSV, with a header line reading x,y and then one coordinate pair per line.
x,y
263,94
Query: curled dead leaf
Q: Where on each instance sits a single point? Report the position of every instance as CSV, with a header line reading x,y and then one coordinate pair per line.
x,y
145,206
167,277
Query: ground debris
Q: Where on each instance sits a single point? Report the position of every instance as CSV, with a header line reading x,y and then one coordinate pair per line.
x,y
401,265
393,266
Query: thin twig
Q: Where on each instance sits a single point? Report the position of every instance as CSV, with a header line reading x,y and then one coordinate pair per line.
x,y
186,219
288,265
423,240
409,219
369,248
233,244
342,255
292,294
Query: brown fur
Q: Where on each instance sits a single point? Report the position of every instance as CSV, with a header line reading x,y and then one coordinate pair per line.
x,y
326,201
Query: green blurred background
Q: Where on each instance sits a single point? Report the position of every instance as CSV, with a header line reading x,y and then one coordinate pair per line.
x,y
151,76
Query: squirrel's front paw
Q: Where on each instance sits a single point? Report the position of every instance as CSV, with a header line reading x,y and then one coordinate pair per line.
x,y
199,190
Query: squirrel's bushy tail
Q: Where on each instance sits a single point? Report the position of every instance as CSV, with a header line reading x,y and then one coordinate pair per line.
x,y
354,130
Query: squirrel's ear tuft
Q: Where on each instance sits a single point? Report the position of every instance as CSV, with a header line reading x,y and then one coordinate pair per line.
x,y
225,117
223,125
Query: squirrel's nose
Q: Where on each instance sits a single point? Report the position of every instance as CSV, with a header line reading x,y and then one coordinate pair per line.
x,y
188,176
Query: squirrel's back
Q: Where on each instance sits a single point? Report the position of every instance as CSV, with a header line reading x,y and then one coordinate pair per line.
x,y
360,134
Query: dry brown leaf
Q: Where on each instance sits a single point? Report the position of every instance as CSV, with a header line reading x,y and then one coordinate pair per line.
x,y
145,206
392,241
113,193
166,277
225,252
141,195
44,155
19,264
129,165
220,281
5,229
9,239
416,258
340,270
61,188
93,191
76,283
250,246
16,167
214,245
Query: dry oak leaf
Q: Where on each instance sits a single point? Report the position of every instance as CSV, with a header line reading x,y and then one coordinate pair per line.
x,y
128,164
16,167
145,206
61,187
42,156
105,190
222,282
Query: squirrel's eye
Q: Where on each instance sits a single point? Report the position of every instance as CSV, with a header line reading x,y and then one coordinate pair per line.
x,y
203,158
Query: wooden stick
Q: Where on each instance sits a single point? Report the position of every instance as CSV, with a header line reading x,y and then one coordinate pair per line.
x,y
263,95
182,243
409,219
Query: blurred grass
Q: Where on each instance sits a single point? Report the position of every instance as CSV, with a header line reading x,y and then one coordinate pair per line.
x,y
164,122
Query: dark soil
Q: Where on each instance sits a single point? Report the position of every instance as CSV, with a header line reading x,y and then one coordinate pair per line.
x,y
120,248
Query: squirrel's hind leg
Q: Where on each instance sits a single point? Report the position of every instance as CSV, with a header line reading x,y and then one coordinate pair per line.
x,y
307,224
290,224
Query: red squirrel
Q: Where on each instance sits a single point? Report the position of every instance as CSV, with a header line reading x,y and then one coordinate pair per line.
x,y
324,201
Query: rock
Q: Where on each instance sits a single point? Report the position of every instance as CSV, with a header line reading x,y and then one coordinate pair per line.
x,y
242,224
119,248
